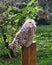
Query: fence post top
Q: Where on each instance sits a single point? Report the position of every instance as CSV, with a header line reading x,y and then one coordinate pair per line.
x,y
34,42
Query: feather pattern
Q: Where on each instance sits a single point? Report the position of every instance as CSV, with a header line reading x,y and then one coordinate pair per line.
x,y
25,35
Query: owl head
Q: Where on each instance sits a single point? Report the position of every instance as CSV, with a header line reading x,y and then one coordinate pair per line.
x,y
30,23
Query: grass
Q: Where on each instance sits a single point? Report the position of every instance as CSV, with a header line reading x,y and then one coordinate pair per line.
x,y
44,45
43,38
12,61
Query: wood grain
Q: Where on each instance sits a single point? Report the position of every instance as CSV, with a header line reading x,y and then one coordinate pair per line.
x,y
29,55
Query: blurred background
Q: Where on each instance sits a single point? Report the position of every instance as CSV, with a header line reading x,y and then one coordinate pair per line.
x,y
13,14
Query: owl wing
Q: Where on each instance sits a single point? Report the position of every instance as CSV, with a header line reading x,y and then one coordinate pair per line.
x,y
26,36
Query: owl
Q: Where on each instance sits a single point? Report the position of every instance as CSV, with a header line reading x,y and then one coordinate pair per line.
x,y
25,35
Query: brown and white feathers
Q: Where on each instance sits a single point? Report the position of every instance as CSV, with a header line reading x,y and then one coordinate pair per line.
x,y
25,35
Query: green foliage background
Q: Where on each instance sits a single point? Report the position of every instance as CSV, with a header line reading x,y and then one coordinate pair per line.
x,y
13,19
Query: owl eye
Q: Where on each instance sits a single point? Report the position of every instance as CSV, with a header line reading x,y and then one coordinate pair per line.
x,y
30,22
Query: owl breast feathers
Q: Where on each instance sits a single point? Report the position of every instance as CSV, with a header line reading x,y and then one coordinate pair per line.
x,y
25,35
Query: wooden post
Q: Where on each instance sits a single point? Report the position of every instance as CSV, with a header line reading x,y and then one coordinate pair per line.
x,y
29,55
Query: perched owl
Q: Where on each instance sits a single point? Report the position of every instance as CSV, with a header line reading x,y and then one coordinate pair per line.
x,y
25,35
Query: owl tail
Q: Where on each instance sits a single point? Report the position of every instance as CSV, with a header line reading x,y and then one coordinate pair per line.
x,y
14,44
11,46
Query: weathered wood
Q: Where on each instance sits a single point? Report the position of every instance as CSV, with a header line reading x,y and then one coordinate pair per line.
x,y
29,55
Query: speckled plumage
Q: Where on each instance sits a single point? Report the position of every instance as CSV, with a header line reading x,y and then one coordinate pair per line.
x,y
25,35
